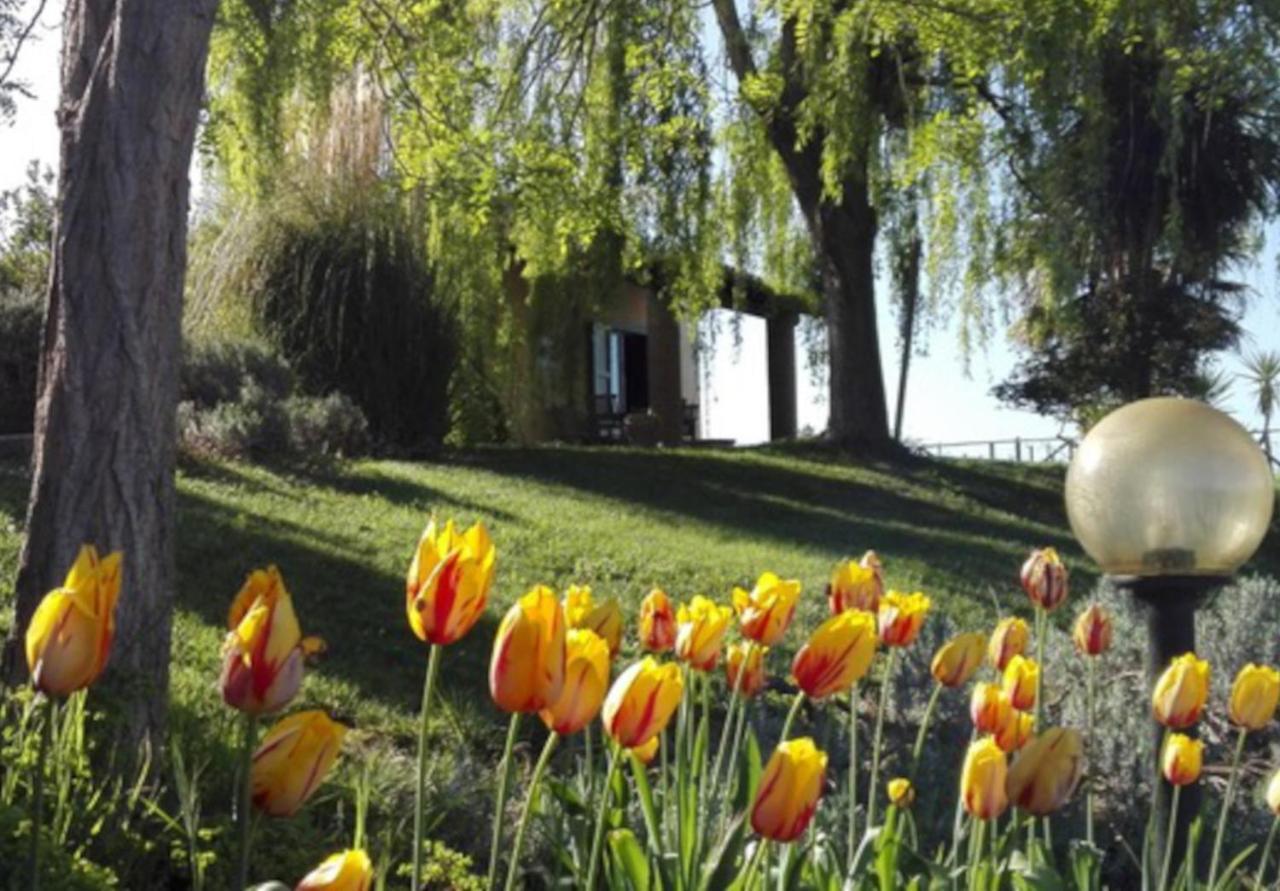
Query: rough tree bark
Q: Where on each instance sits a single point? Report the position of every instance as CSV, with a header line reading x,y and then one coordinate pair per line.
x,y
843,234
132,83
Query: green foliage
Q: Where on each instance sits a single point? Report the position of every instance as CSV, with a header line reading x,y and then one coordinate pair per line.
x,y
26,230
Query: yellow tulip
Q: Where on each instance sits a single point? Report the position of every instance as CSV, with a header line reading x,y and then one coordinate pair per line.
x,y
263,654
856,585
983,780
1008,640
1181,692
1181,759
1014,733
292,761
642,701
766,610
1019,682
989,708
1254,696
1273,793
700,630
345,871
586,678
1045,773
900,617
526,671
648,751
901,793
605,619
1044,578
69,637
957,659
448,582
837,654
657,622
789,790
1092,631
752,681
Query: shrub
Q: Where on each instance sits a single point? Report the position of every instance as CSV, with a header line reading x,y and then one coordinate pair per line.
x,y
21,318
327,425
214,372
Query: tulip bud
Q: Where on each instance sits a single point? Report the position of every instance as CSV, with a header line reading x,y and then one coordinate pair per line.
x,y
1045,773
837,654
586,677
1092,631
901,617
1181,692
766,611
1014,733
262,657
957,659
345,871
657,622
1181,759
1044,578
1254,696
1019,682
642,701
856,585
526,671
752,681
605,619
68,639
648,751
1273,793
700,630
789,790
989,708
901,793
983,780
292,761
447,586
1008,640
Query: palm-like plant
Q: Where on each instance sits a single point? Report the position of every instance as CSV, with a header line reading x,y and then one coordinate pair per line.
x,y
1262,371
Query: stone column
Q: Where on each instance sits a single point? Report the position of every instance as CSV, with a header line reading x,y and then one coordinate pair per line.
x,y
664,369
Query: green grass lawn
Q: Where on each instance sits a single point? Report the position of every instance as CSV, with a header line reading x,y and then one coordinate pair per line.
x,y
620,520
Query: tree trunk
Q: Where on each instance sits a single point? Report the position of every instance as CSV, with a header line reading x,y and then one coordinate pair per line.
x,y
910,284
132,83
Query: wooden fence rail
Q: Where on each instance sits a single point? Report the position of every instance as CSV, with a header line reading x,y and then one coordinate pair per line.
x,y
1035,448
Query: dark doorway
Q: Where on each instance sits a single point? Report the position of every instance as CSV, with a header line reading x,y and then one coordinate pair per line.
x,y
635,371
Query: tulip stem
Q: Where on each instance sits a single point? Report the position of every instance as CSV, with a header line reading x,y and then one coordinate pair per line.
x,y
589,756
597,838
853,774
753,865
734,697
1226,805
420,792
1168,847
976,840
1090,681
246,788
37,794
1042,628
791,718
504,777
1266,852
873,792
539,769
924,731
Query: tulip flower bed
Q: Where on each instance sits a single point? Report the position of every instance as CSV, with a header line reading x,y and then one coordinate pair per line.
x,y
737,739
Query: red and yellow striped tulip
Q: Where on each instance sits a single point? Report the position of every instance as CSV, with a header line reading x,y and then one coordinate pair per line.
x,y
766,610
856,585
700,630
901,617
901,793
789,790
1014,733
344,871
263,654
448,582
657,622
1019,682
1181,759
605,619
648,751
837,654
642,701
1092,631
68,640
1044,578
989,708
1046,771
957,659
292,761
1181,692
752,681
983,780
1254,696
586,678
526,671
1008,640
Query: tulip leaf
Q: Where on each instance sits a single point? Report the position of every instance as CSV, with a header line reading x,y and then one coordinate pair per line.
x,y
750,767
721,864
567,796
887,845
629,859
1225,881
792,867
645,791
1086,865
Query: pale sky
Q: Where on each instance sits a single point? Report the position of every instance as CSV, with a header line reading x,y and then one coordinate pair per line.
x,y
944,404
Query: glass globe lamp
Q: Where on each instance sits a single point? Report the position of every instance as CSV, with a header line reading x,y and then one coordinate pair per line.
x,y
1169,486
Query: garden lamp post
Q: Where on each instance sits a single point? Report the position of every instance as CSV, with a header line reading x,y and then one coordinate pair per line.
x,y
1169,497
